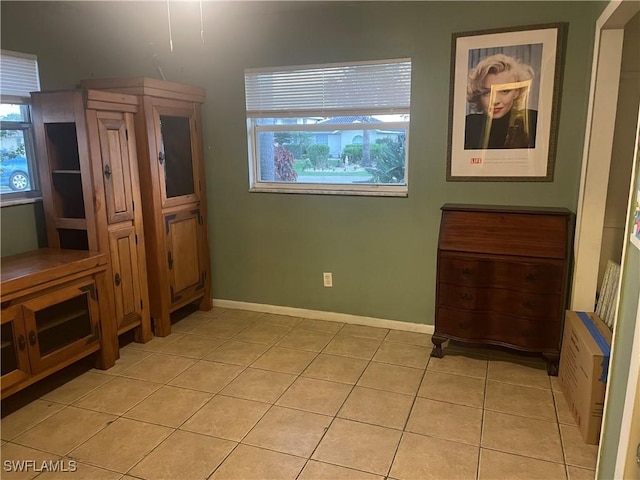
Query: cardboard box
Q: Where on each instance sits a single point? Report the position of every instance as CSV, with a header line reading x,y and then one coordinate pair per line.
x,y
584,366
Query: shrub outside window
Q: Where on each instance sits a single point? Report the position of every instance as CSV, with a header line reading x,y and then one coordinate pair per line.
x,y
18,173
337,129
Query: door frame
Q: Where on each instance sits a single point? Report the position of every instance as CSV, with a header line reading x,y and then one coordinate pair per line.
x,y
596,163
630,400
596,156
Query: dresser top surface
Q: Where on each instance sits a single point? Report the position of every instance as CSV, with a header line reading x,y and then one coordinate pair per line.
x,y
505,209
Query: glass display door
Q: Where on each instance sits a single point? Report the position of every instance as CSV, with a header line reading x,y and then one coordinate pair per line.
x,y
15,359
178,175
60,324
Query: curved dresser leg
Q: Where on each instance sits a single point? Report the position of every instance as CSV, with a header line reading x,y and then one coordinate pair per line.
x,y
437,341
552,363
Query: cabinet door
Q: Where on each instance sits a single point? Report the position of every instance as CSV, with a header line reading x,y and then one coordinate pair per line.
x,y
114,149
126,276
184,256
178,152
15,359
62,325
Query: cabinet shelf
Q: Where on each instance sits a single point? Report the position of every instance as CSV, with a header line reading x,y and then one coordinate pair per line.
x,y
67,172
5,344
71,223
68,317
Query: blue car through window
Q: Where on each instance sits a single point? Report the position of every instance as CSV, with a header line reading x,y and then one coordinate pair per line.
x,y
14,174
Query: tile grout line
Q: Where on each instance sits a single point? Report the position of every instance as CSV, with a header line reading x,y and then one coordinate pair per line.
x,y
406,422
335,416
272,404
482,424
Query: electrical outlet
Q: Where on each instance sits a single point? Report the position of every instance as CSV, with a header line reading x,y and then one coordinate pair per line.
x,y
327,279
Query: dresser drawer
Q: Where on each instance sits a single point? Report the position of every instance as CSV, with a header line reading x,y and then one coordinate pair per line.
x,y
527,276
508,302
485,327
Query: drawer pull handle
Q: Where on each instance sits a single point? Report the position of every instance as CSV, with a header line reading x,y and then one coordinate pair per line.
x,y
464,325
117,280
465,296
107,171
466,271
161,157
33,338
528,305
22,343
530,277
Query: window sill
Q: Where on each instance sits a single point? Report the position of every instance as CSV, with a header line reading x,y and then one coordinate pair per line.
x,y
369,191
7,200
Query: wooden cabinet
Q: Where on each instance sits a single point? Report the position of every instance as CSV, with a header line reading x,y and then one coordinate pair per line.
x,y
51,315
169,139
86,148
502,277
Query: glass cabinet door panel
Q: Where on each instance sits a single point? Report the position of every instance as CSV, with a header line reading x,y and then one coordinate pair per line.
x,y
61,324
15,359
178,161
9,349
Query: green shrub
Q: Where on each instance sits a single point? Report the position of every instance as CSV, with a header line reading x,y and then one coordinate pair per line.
x,y
388,166
353,152
318,155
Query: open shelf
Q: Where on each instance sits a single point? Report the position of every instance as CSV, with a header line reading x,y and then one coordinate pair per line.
x,y
62,146
67,317
74,239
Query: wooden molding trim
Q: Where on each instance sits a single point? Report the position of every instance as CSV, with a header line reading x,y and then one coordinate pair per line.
x,y
322,315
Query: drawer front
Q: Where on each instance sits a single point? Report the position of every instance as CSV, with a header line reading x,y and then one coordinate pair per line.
x,y
508,302
511,233
547,278
497,329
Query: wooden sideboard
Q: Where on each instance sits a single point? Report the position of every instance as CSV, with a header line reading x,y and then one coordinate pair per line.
x,y
52,314
502,277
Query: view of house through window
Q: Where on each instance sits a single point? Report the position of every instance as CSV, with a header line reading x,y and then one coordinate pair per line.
x,y
18,78
330,129
354,149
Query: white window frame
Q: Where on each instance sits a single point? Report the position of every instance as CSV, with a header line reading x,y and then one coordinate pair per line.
x,y
18,79
322,106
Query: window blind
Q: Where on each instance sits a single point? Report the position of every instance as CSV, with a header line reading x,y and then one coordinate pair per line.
x,y
18,74
381,86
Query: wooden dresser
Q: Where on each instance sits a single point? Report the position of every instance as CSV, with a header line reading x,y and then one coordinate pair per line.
x,y
502,277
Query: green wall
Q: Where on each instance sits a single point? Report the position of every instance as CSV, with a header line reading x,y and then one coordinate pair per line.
x,y
273,248
22,228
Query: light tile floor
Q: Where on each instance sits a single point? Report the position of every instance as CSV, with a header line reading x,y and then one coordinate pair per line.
x,y
242,395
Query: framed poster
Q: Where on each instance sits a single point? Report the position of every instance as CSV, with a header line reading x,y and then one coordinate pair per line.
x,y
504,103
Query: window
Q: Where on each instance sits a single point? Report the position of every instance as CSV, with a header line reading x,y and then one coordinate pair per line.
x,y
337,129
18,173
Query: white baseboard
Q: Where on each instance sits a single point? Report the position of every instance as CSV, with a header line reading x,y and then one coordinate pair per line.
x,y
321,315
